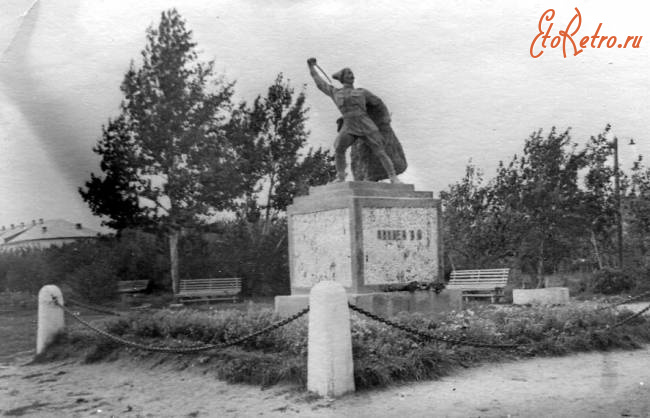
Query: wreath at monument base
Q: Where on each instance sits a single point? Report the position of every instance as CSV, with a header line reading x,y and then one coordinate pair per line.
x,y
413,286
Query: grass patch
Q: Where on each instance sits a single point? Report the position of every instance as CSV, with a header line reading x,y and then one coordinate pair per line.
x,y
17,300
382,355
17,333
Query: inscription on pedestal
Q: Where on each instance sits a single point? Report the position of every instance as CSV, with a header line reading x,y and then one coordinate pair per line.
x,y
400,245
397,234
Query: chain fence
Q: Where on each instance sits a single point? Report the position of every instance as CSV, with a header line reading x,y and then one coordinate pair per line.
x,y
454,341
428,336
92,308
179,350
629,318
623,302
419,334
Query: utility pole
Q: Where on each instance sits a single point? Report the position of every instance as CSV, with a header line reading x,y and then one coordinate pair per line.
x,y
619,213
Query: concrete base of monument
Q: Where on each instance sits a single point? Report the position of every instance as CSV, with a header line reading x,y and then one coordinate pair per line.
x,y
384,304
545,296
364,235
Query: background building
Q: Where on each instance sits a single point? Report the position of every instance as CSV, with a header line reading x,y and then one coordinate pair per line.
x,y
43,234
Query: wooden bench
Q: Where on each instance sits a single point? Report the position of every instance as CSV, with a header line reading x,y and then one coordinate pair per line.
x,y
191,290
132,286
479,283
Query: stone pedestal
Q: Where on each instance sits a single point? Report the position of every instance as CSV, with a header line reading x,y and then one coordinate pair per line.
x,y
546,296
363,235
386,304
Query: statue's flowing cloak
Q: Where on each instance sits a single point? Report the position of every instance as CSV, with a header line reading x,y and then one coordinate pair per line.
x,y
365,165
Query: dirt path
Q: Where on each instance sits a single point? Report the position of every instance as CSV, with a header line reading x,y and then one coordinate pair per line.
x,y
612,384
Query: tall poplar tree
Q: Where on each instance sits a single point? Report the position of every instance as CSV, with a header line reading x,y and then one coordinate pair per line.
x,y
165,160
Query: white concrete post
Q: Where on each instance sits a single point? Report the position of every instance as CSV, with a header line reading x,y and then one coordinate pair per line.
x,y
330,371
50,316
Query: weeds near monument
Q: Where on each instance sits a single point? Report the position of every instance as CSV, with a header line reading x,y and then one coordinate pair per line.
x,y
383,355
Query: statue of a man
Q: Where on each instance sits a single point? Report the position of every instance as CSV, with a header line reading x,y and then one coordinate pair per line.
x,y
365,126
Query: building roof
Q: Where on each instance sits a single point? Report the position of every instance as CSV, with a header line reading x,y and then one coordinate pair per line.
x,y
7,234
46,230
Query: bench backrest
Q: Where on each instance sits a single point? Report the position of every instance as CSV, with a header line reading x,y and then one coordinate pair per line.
x,y
487,277
210,284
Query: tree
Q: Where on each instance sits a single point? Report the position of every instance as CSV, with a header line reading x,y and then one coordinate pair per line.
x,y
166,161
547,198
549,207
638,214
599,203
269,137
116,194
526,214
467,239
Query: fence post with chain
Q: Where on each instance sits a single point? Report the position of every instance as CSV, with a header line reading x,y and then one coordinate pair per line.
x,y
50,316
330,371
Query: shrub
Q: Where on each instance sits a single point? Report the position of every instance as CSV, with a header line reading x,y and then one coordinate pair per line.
x,y
256,252
252,251
138,255
26,271
579,282
18,300
507,294
382,354
643,281
610,281
95,282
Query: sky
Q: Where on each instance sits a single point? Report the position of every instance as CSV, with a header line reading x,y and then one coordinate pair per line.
x,y
457,76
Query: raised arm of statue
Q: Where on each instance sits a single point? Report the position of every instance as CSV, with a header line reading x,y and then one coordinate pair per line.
x,y
365,122
322,85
